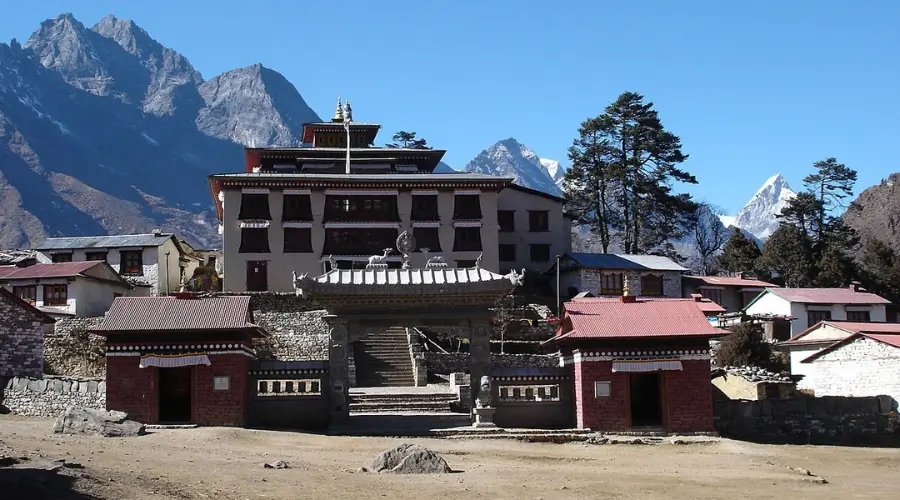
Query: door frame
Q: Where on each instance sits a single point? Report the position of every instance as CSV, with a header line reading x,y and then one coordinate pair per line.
x,y
663,400
264,264
192,393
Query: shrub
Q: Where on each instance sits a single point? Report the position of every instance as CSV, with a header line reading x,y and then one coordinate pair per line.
x,y
745,346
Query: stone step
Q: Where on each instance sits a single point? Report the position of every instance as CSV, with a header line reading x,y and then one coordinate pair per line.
x,y
393,406
437,396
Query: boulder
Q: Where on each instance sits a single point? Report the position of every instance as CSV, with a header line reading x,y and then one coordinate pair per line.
x,y
409,459
97,422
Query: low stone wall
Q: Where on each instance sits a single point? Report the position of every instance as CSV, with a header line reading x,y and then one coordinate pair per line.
x,y
294,336
519,330
455,362
71,351
824,420
48,397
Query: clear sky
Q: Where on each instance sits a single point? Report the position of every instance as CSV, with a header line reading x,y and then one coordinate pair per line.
x,y
752,88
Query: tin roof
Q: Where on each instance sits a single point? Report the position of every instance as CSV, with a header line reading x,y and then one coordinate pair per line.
x,y
849,327
892,340
394,277
624,261
171,313
55,270
601,318
110,241
827,296
730,281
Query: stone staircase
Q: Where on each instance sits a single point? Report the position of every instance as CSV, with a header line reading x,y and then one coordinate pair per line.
x,y
393,412
402,403
383,360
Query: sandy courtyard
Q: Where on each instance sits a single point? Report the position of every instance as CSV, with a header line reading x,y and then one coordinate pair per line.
x,y
220,463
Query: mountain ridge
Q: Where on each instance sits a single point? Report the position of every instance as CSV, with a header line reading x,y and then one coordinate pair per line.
x,y
510,158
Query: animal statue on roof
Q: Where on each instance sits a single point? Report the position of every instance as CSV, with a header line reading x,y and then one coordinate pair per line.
x,y
478,261
484,393
517,279
436,261
380,260
298,280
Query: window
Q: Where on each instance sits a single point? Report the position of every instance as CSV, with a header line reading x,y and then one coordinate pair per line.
x,y
611,284
813,317
425,208
359,241
506,219
540,253
95,256
361,208
859,316
26,293
62,257
468,239
467,207
297,240
296,207
427,237
254,207
132,262
222,383
507,253
602,389
254,240
463,264
713,294
538,221
651,285
56,295
747,297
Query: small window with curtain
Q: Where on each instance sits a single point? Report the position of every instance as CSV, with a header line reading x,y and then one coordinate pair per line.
x,y
61,257
539,253
859,316
611,284
713,294
297,240
425,208
467,207
254,240
507,253
814,317
26,293
651,285
538,221
131,262
254,207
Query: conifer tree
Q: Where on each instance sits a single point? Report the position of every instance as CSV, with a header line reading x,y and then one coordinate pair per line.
x,y
404,139
739,254
788,255
590,185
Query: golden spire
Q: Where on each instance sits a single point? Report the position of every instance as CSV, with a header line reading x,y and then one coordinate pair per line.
x,y
338,112
626,285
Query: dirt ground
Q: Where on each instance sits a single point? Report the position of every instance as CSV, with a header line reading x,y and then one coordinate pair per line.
x,y
221,463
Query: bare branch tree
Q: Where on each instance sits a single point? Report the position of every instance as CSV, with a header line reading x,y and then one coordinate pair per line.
x,y
708,236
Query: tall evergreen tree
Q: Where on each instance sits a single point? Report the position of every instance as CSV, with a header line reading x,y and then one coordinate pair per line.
x,y
628,146
835,269
404,139
830,184
880,270
739,254
788,255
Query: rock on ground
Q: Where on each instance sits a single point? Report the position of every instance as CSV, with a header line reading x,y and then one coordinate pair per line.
x,y
409,459
97,422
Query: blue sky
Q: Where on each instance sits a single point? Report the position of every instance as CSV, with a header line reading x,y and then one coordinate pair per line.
x,y
752,88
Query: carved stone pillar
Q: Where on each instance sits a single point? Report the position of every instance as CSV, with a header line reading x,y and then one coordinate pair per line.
x,y
479,355
339,361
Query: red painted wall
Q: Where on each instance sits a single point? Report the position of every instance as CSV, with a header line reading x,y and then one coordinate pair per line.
x,y
130,388
687,402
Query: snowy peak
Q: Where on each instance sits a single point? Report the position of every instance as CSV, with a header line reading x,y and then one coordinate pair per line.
x,y
557,173
759,215
510,158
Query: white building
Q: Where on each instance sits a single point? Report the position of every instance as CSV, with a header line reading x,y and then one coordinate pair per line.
x,y
69,288
533,229
155,259
808,306
866,363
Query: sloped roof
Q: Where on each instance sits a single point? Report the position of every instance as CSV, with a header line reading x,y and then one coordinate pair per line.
x,y
892,340
55,270
111,241
730,281
433,276
849,327
624,261
602,318
171,313
827,296
45,318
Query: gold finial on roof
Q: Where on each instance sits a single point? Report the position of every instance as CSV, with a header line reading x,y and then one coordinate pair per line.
x,y
338,112
626,285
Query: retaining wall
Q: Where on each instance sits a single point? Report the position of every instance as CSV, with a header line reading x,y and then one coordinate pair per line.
x,y
48,397
454,362
71,351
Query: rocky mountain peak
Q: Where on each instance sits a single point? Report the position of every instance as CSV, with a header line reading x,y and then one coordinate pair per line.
x,y
759,215
510,158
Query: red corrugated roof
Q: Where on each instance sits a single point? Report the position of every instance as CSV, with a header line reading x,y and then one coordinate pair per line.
x,y
611,318
828,296
731,281
170,313
851,327
55,270
892,340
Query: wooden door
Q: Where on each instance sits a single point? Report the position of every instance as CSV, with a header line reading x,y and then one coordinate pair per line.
x,y
257,276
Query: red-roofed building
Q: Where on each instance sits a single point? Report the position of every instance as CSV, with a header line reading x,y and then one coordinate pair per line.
x,y
639,363
731,292
808,306
68,288
179,360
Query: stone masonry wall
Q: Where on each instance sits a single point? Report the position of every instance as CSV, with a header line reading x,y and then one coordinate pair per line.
x,y
590,282
823,420
21,334
454,362
71,351
294,336
48,397
864,367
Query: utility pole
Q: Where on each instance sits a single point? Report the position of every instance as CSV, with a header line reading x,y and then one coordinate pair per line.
x,y
348,116
558,301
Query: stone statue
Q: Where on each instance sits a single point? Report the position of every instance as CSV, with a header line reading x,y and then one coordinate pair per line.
x,y
484,394
478,261
515,278
436,261
298,280
380,260
332,262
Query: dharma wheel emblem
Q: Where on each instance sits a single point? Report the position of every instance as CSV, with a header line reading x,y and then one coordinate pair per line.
x,y
406,243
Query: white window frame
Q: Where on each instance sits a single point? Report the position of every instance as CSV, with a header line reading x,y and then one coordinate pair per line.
x,y
602,389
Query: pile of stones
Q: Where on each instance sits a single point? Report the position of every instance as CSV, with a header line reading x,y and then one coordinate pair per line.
x,y
757,374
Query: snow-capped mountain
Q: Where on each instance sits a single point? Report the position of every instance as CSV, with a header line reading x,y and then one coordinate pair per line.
x,y
510,158
759,214
556,171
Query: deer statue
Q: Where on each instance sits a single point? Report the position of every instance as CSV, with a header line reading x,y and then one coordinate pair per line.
x,y
380,260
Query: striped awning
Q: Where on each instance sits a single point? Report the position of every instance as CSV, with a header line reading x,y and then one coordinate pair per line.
x,y
650,365
173,361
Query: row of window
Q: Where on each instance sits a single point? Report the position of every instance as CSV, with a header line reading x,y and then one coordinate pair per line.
x,y
359,241
131,261
813,317
613,284
255,206
536,253
54,295
538,221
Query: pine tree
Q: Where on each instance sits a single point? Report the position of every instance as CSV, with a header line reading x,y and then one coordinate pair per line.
x,y
836,269
404,139
788,255
831,184
739,254
880,270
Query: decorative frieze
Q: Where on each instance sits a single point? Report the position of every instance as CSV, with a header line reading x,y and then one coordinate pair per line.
x,y
361,192
254,224
254,191
637,355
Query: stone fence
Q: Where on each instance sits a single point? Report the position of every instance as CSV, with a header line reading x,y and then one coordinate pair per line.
x,y
48,397
293,336
72,351
822,420
456,362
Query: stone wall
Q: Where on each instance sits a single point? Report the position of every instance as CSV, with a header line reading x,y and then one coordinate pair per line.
x,y
48,397
863,367
71,351
824,420
588,280
533,330
21,330
294,336
454,362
